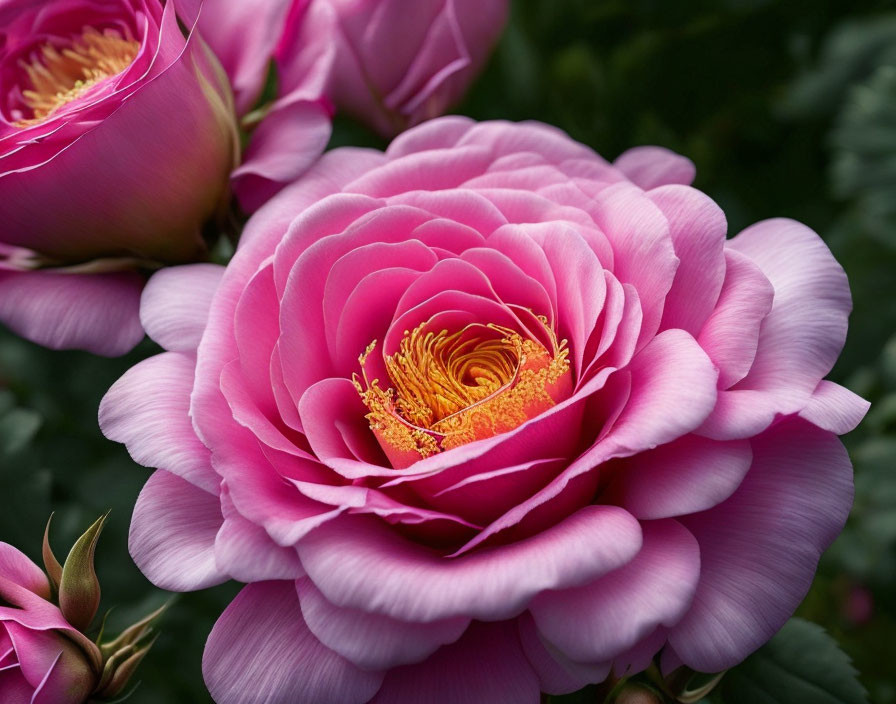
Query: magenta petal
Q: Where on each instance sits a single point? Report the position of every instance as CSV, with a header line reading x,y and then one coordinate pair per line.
x,y
172,536
260,650
175,304
486,666
650,167
685,476
16,567
835,408
16,689
363,564
94,312
597,621
373,641
148,410
759,549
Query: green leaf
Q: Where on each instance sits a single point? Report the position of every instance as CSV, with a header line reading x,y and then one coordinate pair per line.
x,y
801,665
17,427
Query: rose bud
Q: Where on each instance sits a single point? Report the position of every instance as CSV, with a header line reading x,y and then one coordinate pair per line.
x,y
117,136
389,63
485,415
45,658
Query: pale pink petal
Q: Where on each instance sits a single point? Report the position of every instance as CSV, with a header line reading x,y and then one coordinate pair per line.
x,y
172,536
148,410
685,476
597,621
759,549
486,666
650,167
360,563
175,304
94,312
260,650
373,641
835,408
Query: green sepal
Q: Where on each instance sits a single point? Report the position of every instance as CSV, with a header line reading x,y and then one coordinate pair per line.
x,y
51,564
79,588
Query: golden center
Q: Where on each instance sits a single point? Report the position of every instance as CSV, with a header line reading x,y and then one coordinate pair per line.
x,y
59,76
449,389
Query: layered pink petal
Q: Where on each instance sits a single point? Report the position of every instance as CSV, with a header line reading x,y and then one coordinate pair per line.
x,y
361,564
597,621
172,534
650,167
682,477
260,650
697,226
374,641
730,336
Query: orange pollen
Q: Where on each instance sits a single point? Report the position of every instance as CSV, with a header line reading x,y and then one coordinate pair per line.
x,y
451,389
59,76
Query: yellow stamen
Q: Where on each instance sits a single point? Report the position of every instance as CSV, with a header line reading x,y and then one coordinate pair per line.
x,y
59,76
451,389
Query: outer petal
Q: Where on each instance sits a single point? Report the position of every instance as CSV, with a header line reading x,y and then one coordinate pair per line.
x,y
93,312
16,567
804,332
598,621
172,535
556,673
682,477
148,410
175,304
835,408
246,552
731,334
261,651
650,167
759,549
486,666
362,564
373,641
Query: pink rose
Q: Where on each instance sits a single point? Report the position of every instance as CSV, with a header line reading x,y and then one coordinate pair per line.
x,y
389,63
43,659
117,136
485,415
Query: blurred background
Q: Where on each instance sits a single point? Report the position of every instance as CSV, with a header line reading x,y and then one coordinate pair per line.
x,y
788,109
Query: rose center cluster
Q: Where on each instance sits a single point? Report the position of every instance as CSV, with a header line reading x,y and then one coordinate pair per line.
x,y
449,389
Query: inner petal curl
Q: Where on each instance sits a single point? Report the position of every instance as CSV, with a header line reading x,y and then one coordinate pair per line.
x,y
452,388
